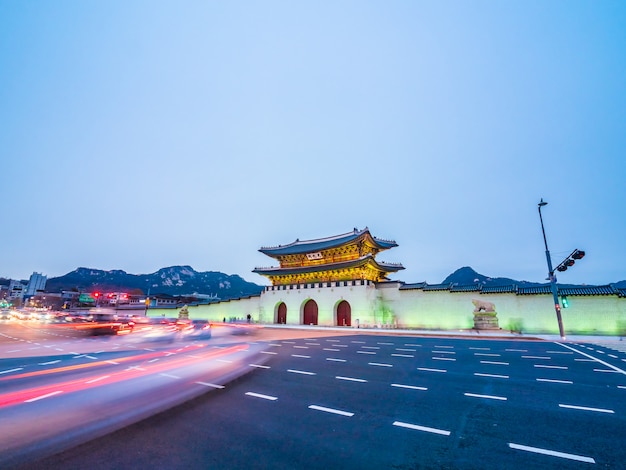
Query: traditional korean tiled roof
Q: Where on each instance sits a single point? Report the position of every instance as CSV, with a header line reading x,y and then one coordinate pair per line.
x,y
620,291
434,287
311,246
499,289
364,260
416,285
468,288
587,290
546,289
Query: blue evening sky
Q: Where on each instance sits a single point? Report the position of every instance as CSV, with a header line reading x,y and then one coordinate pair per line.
x,y
137,135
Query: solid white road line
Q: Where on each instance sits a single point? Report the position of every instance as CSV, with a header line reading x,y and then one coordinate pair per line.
x,y
260,395
379,364
43,396
295,371
330,410
616,369
491,375
351,379
207,384
421,428
412,387
491,397
586,408
553,453
335,359
555,381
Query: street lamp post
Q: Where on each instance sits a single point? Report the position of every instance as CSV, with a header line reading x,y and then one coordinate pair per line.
x,y
552,277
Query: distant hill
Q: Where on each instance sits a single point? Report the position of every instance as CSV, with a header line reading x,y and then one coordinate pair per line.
x,y
175,280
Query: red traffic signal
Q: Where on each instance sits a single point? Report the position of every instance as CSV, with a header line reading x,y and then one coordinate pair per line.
x,y
96,294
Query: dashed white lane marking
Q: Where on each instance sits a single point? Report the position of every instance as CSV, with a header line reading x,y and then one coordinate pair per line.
x,y
41,397
330,349
553,453
112,362
585,360
495,363
303,372
301,347
613,356
536,357
487,354
228,361
335,359
171,376
330,410
421,428
495,376
97,379
586,408
260,395
268,352
412,387
366,352
134,368
443,358
480,349
8,371
301,356
312,344
490,397
386,344
443,352
370,347
259,366
413,345
549,367
91,357
559,352
350,379
405,349
621,386
49,362
380,364
403,355
289,342
358,342
555,381
607,370
276,345
516,350
443,347
333,340
207,384
153,360
427,369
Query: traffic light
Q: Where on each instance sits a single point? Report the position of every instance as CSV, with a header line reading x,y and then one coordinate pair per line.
x,y
570,260
96,294
578,254
564,301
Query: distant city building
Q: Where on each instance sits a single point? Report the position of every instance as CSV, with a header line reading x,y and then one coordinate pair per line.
x,y
37,283
16,289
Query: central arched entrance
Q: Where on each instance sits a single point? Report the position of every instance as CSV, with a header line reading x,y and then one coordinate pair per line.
x,y
344,314
309,316
281,314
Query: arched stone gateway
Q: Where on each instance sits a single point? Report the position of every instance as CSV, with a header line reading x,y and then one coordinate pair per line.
x,y
281,313
309,315
344,314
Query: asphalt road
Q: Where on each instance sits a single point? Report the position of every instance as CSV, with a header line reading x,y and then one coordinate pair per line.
x,y
373,401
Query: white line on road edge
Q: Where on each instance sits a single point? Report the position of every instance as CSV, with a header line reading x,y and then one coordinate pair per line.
x,y
426,369
412,387
351,379
10,370
43,396
585,408
380,364
491,375
617,369
207,384
330,410
421,428
259,395
555,381
334,359
97,379
301,372
553,453
491,397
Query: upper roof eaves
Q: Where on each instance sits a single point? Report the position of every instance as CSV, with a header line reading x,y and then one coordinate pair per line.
x,y
312,246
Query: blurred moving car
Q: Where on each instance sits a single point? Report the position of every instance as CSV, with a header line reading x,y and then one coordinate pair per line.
x,y
98,324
